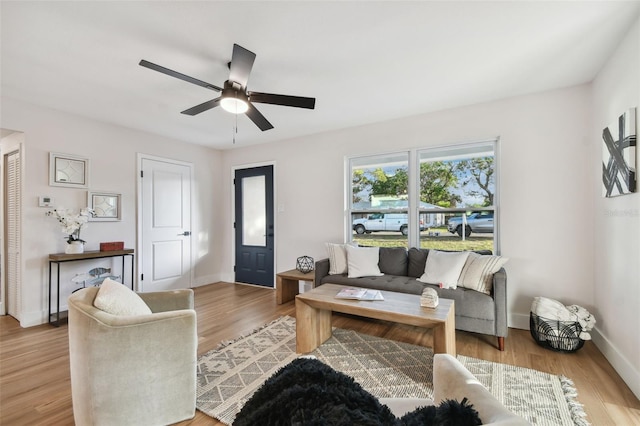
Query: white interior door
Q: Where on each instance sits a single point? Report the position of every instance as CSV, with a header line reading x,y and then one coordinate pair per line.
x,y
165,200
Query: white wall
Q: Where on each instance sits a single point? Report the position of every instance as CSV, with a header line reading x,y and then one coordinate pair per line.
x,y
617,221
112,151
545,193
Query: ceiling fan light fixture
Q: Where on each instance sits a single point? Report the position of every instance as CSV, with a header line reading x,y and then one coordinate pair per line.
x,y
234,105
234,101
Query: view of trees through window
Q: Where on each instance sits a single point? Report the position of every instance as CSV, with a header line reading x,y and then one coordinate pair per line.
x,y
453,206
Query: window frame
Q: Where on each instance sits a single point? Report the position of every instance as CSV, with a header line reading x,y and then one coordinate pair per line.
x,y
350,211
413,209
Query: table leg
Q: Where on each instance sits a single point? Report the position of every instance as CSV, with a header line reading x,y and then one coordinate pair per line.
x,y
58,296
313,327
286,289
444,335
50,278
133,279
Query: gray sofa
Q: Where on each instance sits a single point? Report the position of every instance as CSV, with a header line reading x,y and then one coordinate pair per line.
x,y
475,312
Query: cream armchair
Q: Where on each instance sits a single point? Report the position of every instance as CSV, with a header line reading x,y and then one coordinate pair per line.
x,y
451,380
133,370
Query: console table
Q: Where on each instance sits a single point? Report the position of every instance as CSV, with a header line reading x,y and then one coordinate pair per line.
x,y
59,258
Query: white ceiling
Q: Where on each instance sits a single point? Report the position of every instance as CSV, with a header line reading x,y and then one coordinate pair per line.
x,y
363,61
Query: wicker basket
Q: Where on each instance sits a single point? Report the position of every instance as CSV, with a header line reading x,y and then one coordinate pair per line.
x,y
561,336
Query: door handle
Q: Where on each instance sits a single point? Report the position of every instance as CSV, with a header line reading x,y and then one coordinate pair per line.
x,y
185,234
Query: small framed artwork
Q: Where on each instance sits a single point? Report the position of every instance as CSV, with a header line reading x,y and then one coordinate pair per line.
x,y
619,156
105,205
68,170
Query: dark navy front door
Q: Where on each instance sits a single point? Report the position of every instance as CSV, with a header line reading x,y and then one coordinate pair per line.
x,y
254,225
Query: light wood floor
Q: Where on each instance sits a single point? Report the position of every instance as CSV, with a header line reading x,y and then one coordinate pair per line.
x,y
34,362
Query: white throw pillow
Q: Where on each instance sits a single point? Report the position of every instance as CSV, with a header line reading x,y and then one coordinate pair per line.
x,y
478,271
337,258
116,299
444,268
363,262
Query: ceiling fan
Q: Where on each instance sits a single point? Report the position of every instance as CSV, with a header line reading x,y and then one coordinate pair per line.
x,y
235,97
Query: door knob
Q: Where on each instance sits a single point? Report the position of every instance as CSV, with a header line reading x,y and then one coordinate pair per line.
x,y
185,234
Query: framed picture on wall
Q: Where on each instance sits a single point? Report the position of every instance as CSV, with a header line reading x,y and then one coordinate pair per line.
x,y
619,156
68,170
105,205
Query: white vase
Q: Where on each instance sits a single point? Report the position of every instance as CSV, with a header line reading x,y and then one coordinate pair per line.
x,y
75,247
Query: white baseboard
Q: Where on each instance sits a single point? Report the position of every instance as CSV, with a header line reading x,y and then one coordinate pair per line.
x,y
520,321
619,362
228,278
207,279
31,319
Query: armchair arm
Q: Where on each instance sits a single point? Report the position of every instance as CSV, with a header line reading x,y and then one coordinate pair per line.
x,y
162,301
500,302
451,380
322,270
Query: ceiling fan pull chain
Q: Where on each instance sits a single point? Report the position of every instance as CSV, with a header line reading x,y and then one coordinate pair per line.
x,y
235,130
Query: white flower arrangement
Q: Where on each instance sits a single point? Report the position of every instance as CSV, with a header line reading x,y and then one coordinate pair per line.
x,y
72,223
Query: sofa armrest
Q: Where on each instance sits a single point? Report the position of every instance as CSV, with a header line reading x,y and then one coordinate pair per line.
x,y
322,270
499,294
451,380
163,301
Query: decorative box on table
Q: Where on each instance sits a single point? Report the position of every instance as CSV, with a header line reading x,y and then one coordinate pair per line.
x,y
112,246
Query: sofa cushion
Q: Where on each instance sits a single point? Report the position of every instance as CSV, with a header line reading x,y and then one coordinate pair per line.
x,y
393,260
416,259
478,271
337,258
401,284
363,262
444,268
116,299
469,303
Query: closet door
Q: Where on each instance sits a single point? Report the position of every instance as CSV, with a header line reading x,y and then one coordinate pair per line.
x,y
13,196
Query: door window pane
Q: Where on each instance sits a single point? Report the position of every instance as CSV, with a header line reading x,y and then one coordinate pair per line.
x,y
254,209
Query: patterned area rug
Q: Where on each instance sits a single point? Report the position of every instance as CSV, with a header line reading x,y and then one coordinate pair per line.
x,y
229,375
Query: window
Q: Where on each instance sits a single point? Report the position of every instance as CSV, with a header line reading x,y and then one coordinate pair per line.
x,y
457,189
379,200
447,201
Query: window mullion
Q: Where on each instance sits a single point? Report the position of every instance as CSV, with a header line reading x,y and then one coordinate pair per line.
x,y
414,199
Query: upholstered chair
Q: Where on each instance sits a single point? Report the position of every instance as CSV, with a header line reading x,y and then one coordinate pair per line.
x,y
451,380
133,369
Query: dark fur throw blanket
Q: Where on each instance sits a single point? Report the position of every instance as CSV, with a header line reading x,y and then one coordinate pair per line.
x,y
309,392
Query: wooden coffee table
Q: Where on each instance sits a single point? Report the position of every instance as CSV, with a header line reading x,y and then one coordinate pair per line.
x,y
314,309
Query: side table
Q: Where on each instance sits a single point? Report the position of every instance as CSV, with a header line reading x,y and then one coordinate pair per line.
x,y
287,284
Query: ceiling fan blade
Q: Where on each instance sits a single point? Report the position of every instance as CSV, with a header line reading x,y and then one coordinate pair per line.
x,y
258,118
181,76
241,64
285,100
205,106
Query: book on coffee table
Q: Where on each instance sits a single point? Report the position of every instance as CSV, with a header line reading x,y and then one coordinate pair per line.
x,y
359,294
